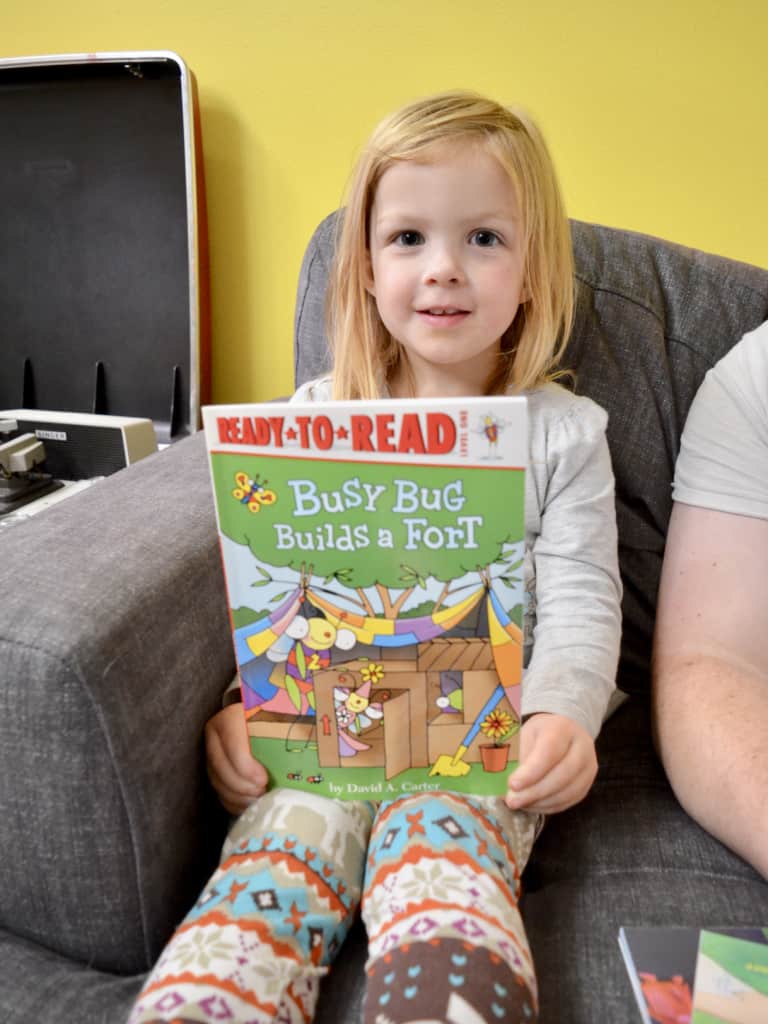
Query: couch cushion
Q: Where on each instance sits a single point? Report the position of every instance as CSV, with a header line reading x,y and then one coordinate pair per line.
x,y
40,986
626,855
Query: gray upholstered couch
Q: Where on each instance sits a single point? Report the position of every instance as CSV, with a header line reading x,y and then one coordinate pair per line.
x,y
114,649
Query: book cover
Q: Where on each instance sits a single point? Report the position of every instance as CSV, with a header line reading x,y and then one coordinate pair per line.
x,y
731,980
661,964
373,556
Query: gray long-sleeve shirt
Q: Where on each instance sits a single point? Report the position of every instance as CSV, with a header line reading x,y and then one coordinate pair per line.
x,y
573,588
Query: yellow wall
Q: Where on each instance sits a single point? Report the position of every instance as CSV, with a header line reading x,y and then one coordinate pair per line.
x,y
655,113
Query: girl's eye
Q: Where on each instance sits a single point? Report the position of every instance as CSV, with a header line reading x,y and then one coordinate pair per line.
x,y
484,238
409,238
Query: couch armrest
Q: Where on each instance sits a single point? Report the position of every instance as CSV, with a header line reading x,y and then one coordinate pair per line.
x,y
114,650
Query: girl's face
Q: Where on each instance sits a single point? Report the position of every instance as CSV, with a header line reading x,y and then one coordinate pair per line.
x,y
446,266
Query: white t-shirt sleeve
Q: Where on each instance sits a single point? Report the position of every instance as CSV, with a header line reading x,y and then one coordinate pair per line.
x,y
723,460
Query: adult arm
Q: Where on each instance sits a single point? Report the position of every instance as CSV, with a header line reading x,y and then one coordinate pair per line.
x,y
710,668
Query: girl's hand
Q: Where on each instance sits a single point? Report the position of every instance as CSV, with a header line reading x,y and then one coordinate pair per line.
x,y
558,765
236,776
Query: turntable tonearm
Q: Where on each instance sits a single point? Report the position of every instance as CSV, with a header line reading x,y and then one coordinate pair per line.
x,y
20,479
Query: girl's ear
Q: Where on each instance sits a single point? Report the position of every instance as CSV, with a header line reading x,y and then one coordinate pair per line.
x,y
368,281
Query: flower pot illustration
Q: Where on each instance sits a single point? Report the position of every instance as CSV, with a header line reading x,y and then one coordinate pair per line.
x,y
497,726
494,757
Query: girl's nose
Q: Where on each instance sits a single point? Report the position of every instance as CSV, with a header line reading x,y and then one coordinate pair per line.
x,y
443,267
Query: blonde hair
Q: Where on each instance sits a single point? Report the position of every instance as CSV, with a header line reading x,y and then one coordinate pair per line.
x,y
365,354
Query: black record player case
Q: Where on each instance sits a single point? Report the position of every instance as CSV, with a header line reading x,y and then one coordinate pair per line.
x,y
103,254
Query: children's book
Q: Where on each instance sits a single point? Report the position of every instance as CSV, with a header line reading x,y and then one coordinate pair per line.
x,y
662,965
731,980
373,555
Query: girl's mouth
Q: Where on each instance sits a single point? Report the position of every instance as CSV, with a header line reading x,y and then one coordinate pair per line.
x,y
443,315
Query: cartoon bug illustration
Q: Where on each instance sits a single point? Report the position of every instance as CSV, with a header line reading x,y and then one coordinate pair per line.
x,y
451,699
306,647
355,712
252,492
490,430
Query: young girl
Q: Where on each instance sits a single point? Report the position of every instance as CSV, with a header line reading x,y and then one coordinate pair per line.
x,y
453,276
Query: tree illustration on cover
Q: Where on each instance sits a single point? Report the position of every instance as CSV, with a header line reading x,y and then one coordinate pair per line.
x,y
368,557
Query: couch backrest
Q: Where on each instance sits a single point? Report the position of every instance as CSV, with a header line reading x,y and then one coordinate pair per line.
x,y
652,317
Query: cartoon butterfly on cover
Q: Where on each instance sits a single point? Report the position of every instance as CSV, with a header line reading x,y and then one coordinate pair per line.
x,y
253,493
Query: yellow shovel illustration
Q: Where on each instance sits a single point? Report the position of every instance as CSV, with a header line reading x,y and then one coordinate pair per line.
x,y
453,764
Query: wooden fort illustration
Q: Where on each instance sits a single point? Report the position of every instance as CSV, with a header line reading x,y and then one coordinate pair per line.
x,y
436,703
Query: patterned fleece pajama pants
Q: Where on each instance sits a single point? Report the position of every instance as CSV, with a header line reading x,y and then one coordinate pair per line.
x,y
439,877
